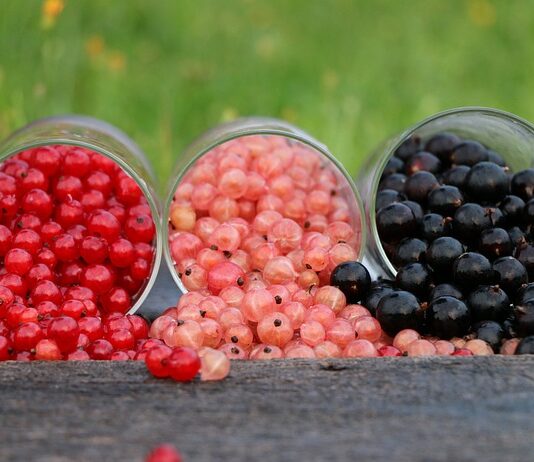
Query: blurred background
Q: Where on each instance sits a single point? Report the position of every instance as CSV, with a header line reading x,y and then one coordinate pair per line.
x,y
350,72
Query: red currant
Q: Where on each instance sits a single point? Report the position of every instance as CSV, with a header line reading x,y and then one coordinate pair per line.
x,y
73,309
46,291
64,331
26,336
94,249
37,202
121,253
5,348
39,272
164,453
68,187
47,159
92,327
50,230
99,181
105,225
121,339
69,213
183,364
76,162
140,228
18,261
65,248
47,350
98,278
6,237
116,300
28,240
155,360
128,191
100,349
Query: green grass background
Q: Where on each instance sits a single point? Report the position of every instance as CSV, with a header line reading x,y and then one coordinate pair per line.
x,y
349,72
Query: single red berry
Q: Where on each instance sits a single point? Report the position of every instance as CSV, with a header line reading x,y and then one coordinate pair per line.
x,y
15,283
47,257
139,326
33,179
120,356
105,225
140,270
164,453
121,339
83,342
78,355
6,237
14,312
68,187
183,364
69,213
47,350
122,253
116,321
388,350
73,309
27,221
5,348
64,331
65,248
99,181
8,206
92,327
101,162
76,162
116,300
155,360
6,300
90,308
94,249
29,240
80,293
131,285
49,231
144,251
46,290
98,278
128,191
26,336
39,272
18,261
93,200
140,228
37,202
149,343
462,352
8,185
70,273
118,211
29,315
100,349
78,232
47,159
47,309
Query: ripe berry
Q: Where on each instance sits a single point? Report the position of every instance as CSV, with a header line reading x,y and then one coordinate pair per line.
x,y
445,200
18,261
395,221
522,184
512,208
441,255
423,161
399,310
98,278
395,182
164,453
491,332
64,331
469,153
410,250
442,144
104,224
93,249
374,296
510,273
122,253
489,303
442,290
353,279
100,349
65,248
471,270
387,197
456,176
433,226
526,346
26,336
448,317
140,228
470,220
419,185
183,364
524,315
495,243
409,147
487,182
121,339
415,278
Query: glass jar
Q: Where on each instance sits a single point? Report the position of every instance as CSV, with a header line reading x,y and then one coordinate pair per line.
x,y
105,139
505,133
251,130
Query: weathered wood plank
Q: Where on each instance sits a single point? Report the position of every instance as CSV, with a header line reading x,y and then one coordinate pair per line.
x,y
404,409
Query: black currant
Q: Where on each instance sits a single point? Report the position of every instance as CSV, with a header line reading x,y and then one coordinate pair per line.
x,y
422,161
491,332
419,185
394,165
374,296
512,208
487,182
445,200
525,346
489,303
441,255
448,317
445,289
395,182
472,269
524,315
415,278
388,196
353,279
470,220
408,147
442,144
399,310
469,153
517,236
496,158
410,250
395,221
495,243
525,293
433,226
528,212
510,274
416,209
522,184
456,176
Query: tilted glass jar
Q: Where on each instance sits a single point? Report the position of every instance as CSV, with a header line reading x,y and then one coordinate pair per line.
x,y
107,140
505,133
247,129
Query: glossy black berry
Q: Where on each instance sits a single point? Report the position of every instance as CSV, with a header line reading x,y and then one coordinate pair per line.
x,y
448,317
422,161
419,185
442,290
445,200
489,303
387,197
442,144
395,182
512,208
525,346
522,184
374,296
487,182
496,217
491,332
511,274
495,243
524,315
410,250
496,158
508,326
472,269
441,255
525,293
433,226
470,220
469,153
528,212
517,236
353,279
394,165
395,221
415,278
456,176
525,255
408,147
416,209
399,310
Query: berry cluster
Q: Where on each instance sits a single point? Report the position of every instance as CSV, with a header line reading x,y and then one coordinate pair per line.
x,y
458,226
77,244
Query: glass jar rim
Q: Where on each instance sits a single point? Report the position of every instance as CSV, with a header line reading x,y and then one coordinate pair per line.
x,y
284,129
390,269
6,152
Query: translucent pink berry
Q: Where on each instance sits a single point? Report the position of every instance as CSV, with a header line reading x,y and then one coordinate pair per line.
x,y
367,328
404,338
183,217
340,332
232,295
233,351
315,258
275,329
223,275
195,278
212,331
184,333
285,234
479,347
159,326
257,304
327,349
203,195
279,270
332,297
223,208
312,333
360,348
265,220
300,351
233,183
509,346
351,312
229,316
420,347
225,238
321,313
214,365
444,348
239,334
264,351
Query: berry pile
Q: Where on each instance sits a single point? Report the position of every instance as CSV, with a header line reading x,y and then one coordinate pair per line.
x,y
77,247
458,225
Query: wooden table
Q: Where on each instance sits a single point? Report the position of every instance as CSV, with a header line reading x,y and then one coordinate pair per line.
x,y
388,409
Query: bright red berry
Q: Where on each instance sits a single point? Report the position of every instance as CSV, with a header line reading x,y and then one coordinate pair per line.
x,y
65,247
103,224
98,278
121,339
18,261
92,327
140,228
46,290
164,453
64,331
94,249
100,349
139,326
68,187
183,364
5,348
155,360
6,237
73,308
37,202
116,300
47,350
122,253
26,336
